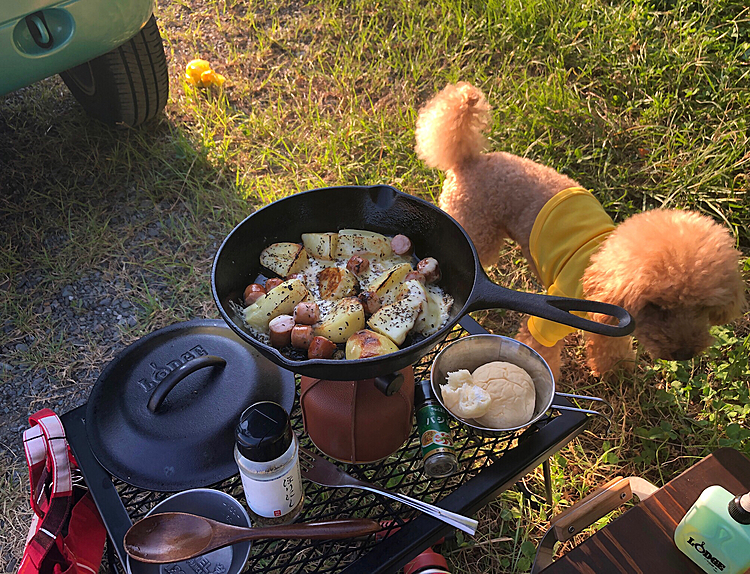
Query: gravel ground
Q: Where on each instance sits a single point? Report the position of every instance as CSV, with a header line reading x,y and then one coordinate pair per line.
x,y
94,317
99,305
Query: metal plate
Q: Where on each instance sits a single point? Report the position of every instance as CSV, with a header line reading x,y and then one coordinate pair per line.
x,y
212,504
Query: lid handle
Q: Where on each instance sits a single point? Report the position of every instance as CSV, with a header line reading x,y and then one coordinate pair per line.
x,y
167,384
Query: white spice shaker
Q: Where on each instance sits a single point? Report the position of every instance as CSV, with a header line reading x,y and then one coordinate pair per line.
x,y
267,453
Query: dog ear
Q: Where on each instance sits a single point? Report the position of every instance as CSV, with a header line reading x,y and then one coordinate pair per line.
x,y
734,306
600,284
719,316
724,298
615,272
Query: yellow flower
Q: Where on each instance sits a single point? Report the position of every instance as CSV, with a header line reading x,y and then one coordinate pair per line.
x,y
195,69
207,78
199,73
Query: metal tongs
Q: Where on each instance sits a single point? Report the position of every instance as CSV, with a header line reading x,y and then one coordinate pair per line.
x,y
323,472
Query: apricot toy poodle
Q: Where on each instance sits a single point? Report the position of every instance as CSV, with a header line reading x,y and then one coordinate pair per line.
x,y
676,272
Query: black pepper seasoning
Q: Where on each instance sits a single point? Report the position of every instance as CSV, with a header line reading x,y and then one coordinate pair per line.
x,y
434,433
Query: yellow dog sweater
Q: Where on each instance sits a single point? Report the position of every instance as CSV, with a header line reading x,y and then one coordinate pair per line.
x,y
566,232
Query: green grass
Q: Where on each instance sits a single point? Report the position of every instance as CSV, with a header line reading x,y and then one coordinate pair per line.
x,y
646,103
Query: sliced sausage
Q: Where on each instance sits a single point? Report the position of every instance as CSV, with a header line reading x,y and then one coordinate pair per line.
x,y
280,330
273,282
253,292
370,301
302,336
401,245
321,348
430,269
357,264
306,313
415,275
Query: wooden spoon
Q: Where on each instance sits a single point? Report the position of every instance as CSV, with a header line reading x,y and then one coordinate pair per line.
x,y
177,536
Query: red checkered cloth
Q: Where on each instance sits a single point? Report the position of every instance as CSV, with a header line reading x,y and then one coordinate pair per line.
x,y
67,535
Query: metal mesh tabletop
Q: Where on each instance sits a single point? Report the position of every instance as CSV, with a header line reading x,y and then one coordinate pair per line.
x,y
487,467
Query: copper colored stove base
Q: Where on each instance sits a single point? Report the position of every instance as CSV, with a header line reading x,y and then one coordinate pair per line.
x,y
353,421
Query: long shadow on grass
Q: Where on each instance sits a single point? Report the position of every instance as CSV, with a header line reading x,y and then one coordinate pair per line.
x,y
105,235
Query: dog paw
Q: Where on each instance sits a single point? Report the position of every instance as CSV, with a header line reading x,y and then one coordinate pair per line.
x,y
609,355
611,370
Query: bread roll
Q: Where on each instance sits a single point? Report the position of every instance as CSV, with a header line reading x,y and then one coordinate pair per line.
x,y
512,393
462,397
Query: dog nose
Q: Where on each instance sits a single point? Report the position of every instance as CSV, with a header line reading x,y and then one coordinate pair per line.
x,y
683,354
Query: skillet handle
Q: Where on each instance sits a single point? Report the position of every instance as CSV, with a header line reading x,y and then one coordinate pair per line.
x,y
488,295
168,383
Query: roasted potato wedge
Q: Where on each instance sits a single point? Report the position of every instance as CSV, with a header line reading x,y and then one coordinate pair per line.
x,y
352,241
413,291
387,284
336,283
280,300
366,343
346,318
394,321
321,245
284,258
398,318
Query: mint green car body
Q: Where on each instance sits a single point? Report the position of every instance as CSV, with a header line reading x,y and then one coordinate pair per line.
x,y
72,32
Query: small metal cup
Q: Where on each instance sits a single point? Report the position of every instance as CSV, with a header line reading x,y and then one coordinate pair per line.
x,y
208,503
476,350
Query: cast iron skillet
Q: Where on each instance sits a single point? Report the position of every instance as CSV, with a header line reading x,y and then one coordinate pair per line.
x,y
385,210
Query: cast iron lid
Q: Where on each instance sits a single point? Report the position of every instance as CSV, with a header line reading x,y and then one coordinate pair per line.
x,y
162,414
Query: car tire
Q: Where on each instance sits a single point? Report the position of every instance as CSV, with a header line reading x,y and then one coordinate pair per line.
x,y
126,86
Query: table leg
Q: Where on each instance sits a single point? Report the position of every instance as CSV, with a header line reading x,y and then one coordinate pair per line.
x,y
547,482
100,485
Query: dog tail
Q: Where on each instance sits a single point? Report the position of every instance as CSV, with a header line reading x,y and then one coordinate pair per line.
x,y
449,127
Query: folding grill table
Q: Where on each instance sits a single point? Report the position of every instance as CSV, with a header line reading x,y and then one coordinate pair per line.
x,y
489,466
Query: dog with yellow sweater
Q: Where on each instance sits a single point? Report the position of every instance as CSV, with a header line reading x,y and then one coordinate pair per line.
x,y
676,272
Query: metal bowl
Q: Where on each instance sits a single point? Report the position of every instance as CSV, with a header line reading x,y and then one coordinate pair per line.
x,y
476,350
208,503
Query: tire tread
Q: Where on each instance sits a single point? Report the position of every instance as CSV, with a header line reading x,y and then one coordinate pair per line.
x,y
134,78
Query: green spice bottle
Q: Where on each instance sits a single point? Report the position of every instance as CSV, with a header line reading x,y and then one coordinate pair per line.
x,y
434,433
715,532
